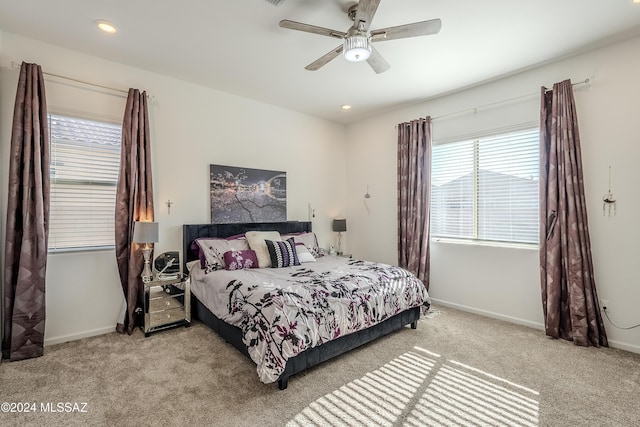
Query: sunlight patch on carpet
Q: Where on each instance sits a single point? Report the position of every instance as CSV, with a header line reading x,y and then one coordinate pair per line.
x,y
379,398
431,313
419,389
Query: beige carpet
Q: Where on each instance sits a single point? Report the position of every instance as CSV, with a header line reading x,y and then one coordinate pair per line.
x,y
455,369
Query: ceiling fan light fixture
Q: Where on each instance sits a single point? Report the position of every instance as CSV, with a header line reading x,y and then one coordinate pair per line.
x,y
357,48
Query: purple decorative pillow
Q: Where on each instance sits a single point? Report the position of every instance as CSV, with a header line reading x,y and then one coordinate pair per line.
x,y
195,249
237,260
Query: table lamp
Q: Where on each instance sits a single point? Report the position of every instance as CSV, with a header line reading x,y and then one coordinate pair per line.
x,y
340,225
145,232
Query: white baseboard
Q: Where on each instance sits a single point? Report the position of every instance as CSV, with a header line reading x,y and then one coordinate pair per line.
x,y
493,315
78,336
535,325
624,346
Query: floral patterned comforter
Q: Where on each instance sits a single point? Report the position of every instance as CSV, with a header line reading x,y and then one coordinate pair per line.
x,y
285,311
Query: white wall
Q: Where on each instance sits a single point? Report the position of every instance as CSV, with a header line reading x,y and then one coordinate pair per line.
x,y
191,127
504,282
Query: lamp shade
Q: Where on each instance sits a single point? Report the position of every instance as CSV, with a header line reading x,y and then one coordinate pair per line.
x,y
145,232
340,224
357,48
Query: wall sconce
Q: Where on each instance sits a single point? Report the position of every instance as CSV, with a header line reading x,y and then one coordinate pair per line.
x,y
145,232
339,226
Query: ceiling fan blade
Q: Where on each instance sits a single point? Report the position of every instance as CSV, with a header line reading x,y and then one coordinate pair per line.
x,y
423,28
377,62
365,12
323,60
292,25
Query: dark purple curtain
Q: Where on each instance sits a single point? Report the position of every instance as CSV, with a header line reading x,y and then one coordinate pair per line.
x,y
134,202
569,297
25,263
414,192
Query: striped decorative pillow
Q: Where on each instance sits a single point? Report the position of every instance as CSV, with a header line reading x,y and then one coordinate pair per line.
x,y
282,253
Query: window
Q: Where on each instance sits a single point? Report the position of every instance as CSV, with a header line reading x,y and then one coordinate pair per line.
x,y
487,189
85,160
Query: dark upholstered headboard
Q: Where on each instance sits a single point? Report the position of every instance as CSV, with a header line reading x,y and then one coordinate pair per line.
x,y
191,232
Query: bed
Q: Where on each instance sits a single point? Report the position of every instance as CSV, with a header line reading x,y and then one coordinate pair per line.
x,y
293,354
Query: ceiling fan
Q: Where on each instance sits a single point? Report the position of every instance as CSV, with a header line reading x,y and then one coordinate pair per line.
x,y
357,40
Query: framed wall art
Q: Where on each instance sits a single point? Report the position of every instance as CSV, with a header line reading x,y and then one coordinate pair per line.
x,y
247,195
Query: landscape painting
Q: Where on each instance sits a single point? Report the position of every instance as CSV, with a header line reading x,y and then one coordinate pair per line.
x,y
247,195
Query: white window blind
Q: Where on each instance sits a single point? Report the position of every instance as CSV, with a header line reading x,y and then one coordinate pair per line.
x,y
487,189
85,160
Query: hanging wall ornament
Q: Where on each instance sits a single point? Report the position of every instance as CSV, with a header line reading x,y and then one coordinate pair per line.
x,y
367,196
608,201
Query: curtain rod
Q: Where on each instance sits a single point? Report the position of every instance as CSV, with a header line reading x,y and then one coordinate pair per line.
x,y
504,101
582,82
16,66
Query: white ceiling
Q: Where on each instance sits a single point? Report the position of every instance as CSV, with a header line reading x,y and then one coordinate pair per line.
x,y
237,46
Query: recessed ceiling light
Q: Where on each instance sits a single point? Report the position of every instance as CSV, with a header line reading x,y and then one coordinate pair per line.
x,y
106,26
348,107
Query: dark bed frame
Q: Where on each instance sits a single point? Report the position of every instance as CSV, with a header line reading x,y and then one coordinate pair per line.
x,y
233,334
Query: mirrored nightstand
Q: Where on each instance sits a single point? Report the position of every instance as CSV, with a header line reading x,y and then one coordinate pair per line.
x,y
167,304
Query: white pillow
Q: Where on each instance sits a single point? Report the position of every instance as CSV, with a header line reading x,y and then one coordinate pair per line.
x,y
256,243
190,264
303,253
